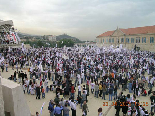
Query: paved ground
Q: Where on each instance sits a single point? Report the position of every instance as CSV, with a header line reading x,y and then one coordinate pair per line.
x,y
93,103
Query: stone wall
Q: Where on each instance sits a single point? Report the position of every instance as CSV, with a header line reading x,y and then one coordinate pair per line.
x,y
14,99
1,101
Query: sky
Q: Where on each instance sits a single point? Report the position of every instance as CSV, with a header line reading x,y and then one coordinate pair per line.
x,y
84,19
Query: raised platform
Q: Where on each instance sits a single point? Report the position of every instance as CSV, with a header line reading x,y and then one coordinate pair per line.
x,y
14,100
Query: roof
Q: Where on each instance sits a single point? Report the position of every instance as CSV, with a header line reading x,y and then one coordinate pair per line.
x,y
139,30
132,31
108,33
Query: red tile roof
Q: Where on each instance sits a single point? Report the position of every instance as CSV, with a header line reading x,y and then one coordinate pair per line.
x,y
131,31
108,33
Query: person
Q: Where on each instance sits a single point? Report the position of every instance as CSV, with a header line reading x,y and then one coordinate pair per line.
x,y
24,85
96,90
83,98
92,87
57,110
110,92
85,108
6,67
56,100
144,93
66,110
104,91
117,107
27,83
43,93
19,77
37,113
115,92
15,76
100,90
152,98
72,91
73,107
130,87
100,112
38,92
79,90
51,108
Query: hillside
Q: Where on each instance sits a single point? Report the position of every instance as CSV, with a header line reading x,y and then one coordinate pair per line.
x,y
65,36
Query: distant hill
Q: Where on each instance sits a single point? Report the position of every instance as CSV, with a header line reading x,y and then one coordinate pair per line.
x,y
27,35
65,36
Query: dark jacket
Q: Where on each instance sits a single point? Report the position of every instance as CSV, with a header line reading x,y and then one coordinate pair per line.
x,y
51,107
111,91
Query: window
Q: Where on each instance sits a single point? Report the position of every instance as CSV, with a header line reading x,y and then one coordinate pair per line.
x,y
143,39
103,40
137,39
132,40
118,40
151,39
122,40
112,40
127,40
109,40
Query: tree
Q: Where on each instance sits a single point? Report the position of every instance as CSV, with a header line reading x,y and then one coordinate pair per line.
x,y
67,42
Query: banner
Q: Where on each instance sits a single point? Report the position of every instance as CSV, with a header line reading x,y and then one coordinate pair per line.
x,y
42,108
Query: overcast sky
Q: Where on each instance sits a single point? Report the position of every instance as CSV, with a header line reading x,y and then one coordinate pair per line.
x,y
84,19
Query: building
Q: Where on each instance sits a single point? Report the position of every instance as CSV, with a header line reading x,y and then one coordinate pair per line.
x,y
8,36
49,37
142,37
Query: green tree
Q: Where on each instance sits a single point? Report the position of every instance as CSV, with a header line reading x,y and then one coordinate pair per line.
x,y
67,42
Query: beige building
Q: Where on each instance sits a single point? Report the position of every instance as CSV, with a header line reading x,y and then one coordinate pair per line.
x,y
50,37
143,37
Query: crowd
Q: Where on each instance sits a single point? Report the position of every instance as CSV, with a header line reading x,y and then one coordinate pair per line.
x,y
98,71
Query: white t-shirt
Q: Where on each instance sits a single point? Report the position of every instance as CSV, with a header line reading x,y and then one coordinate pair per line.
x,y
79,88
100,114
27,82
92,85
151,81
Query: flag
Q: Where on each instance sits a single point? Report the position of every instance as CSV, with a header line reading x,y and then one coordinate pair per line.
x,y
8,36
14,36
17,37
42,108
40,81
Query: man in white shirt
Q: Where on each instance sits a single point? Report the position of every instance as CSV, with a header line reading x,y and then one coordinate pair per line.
x,y
151,82
73,107
27,84
79,78
79,90
92,87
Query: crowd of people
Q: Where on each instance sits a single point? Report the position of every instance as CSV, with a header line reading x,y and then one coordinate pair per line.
x,y
98,71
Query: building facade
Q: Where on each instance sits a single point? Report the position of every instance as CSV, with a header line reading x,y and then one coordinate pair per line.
x,y
142,37
49,37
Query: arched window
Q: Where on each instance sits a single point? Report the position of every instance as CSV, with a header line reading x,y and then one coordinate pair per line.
x,y
109,40
112,40
151,39
122,40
